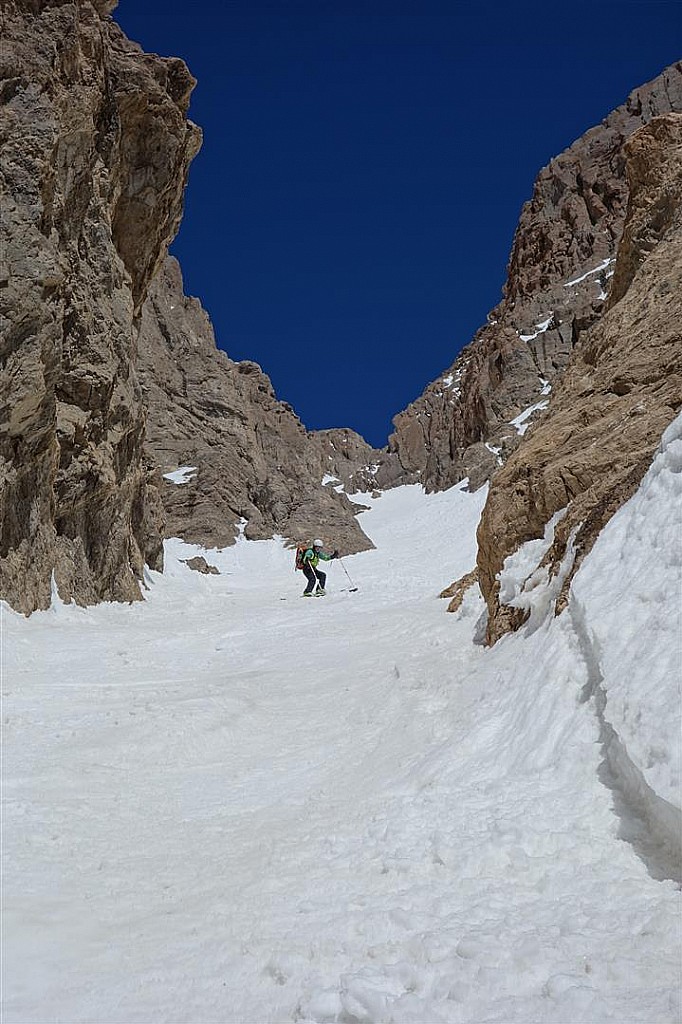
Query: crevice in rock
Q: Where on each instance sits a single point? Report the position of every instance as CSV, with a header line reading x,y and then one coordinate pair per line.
x,y
649,823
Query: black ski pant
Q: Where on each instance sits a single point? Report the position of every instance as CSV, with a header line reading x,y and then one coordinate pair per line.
x,y
313,576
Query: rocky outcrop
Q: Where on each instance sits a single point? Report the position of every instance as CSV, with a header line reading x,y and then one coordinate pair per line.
x,y
457,591
347,457
250,462
619,392
559,274
95,150
199,564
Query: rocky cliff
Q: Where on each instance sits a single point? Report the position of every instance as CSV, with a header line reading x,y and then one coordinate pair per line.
x,y
228,449
620,390
95,150
117,409
561,267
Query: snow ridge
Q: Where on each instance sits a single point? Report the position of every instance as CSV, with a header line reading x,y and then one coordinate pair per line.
x,y
625,591
650,824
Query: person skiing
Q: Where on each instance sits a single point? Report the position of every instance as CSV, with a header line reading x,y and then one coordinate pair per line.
x,y
316,578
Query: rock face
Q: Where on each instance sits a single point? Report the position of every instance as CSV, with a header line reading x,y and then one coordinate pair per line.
x,y
250,457
116,407
348,458
562,261
619,392
95,151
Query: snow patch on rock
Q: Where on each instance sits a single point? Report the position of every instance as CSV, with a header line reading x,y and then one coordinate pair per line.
x,y
183,475
596,270
540,328
521,422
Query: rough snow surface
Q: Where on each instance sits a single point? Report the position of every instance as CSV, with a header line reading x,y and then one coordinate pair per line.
x,y
230,805
183,475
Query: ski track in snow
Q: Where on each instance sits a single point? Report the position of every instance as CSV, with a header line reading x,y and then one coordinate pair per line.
x,y
222,806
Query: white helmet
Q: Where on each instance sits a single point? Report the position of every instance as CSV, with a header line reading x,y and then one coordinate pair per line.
x,y
318,543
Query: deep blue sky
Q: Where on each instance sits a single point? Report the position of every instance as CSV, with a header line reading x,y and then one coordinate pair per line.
x,y
349,218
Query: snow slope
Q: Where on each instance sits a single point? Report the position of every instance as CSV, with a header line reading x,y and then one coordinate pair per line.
x,y
231,805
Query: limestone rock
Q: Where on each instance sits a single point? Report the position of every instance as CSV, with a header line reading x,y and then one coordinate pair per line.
x,y
252,458
348,458
559,275
199,564
95,151
457,590
619,392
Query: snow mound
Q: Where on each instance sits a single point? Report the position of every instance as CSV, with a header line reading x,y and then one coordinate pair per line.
x,y
526,584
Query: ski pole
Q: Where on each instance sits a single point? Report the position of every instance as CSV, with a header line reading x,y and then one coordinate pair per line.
x,y
353,588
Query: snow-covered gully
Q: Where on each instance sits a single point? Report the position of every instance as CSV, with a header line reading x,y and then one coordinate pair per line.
x,y
231,806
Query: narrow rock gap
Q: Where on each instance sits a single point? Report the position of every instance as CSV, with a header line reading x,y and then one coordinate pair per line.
x,y
650,824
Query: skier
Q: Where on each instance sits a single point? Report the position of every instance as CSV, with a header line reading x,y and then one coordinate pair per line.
x,y
311,559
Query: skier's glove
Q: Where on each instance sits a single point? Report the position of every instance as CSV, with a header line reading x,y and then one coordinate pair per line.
x,y
335,554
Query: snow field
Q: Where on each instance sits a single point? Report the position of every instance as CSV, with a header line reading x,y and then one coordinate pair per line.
x,y
230,805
